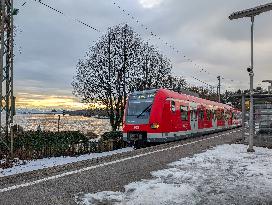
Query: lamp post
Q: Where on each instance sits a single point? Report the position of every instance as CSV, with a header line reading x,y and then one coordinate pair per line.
x,y
251,13
219,88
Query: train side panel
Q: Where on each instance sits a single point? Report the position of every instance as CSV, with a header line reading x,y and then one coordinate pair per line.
x,y
174,116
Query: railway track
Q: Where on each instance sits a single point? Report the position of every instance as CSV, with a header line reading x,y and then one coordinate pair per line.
x,y
43,173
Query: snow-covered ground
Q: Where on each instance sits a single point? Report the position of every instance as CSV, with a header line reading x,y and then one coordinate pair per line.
x,y
226,174
54,161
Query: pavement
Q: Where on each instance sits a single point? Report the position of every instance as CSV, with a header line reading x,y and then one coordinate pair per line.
x,y
62,186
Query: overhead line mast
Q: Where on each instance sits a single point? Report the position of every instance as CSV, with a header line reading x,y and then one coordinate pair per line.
x,y
7,103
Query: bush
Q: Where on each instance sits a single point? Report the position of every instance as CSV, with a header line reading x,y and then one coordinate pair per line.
x,y
113,135
91,135
113,139
38,144
3,150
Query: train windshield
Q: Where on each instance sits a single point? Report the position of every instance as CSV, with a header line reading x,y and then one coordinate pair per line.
x,y
139,107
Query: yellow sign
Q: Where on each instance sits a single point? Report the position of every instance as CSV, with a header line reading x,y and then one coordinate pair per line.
x,y
247,104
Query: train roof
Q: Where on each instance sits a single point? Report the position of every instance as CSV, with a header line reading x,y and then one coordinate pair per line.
x,y
183,96
144,91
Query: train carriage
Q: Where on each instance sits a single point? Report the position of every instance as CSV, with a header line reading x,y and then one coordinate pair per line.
x,y
162,115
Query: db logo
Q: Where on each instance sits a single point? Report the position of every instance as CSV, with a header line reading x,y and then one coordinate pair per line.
x,y
136,127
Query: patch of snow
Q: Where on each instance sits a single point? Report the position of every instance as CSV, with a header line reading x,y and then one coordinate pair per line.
x,y
95,139
32,165
226,174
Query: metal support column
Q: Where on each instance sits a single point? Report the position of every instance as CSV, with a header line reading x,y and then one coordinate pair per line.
x,y
219,88
243,115
7,102
251,74
251,13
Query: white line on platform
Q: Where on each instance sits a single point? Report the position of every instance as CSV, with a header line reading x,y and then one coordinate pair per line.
x,y
99,165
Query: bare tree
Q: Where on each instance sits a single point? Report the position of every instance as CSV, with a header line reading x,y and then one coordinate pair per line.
x,y
116,65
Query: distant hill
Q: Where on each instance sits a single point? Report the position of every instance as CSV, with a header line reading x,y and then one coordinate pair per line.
x,y
36,111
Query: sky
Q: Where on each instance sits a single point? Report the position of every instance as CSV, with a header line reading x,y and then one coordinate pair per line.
x,y
49,45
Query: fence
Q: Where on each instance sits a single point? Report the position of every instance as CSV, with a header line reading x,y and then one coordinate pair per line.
x,y
262,111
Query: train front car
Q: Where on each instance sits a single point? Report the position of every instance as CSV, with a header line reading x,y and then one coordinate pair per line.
x,y
142,117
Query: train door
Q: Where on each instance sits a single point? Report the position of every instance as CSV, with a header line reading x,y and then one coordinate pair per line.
x,y
200,114
174,116
184,117
226,118
209,118
214,119
193,118
219,117
230,118
167,117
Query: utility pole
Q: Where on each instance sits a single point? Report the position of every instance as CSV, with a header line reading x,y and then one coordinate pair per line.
x,y
251,13
7,102
243,114
251,75
219,88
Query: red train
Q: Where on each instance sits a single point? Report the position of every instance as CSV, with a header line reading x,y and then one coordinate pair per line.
x,y
162,115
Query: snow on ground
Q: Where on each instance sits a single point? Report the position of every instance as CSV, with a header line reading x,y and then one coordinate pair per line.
x,y
226,174
55,161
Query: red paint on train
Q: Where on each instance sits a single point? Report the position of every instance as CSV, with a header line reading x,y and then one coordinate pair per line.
x,y
164,115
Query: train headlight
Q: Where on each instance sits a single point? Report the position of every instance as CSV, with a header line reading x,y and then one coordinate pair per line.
x,y
154,126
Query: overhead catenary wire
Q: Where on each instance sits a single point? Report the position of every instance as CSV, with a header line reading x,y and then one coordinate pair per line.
x,y
205,83
153,34
201,69
62,13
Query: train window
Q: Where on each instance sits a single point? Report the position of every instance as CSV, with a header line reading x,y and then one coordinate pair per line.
x,y
227,115
219,114
201,114
209,115
184,113
173,106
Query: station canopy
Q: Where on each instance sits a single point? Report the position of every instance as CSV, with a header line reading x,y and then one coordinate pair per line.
x,y
251,12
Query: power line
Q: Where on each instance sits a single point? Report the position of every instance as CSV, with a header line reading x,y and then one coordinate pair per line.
x,y
62,13
153,34
205,83
200,68
209,86
146,28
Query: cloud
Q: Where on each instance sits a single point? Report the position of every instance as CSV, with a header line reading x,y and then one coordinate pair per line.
x,y
51,43
150,3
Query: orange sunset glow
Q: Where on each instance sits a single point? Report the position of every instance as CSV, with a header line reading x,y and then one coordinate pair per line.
x,y
26,100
